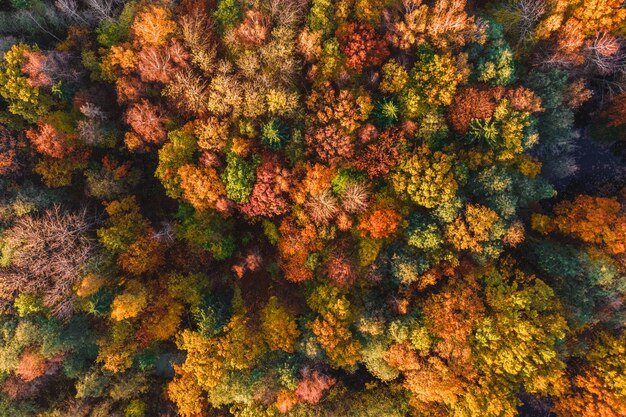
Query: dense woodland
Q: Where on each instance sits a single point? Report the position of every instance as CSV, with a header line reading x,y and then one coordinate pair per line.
x,y
303,208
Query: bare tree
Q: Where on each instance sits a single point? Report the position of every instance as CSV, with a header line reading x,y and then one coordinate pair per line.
x,y
89,12
188,92
527,13
49,254
605,54
196,29
287,12
45,69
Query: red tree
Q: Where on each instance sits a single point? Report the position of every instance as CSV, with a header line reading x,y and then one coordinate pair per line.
x,y
330,143
32,365
340,268
254,28
9,148
48,140
312,385
268,197
155,64
147,121
295,245
47,68
379,156
128,89
616,111
362,46
469,104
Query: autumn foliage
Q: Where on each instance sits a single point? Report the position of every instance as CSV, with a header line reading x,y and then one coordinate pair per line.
x,y
311,208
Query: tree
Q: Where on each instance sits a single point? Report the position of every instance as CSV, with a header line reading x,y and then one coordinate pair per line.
x,y
113,31
117,350
327,106
603,53
470,104
426,177
330,327
394,77
187,92
58,172
475,227
516,346
155,64
361,45
596,220
312,385
268,197
495,61
32,365
48,255
239,177
206,230
598,386
11,148
254,28
597,15
210,362
144,255
381,155
432,82
451,315
279,327
444,23
160,319
354,197
178,151
333,121
227,13
48,140
379,223
616,111
322,207
124,225
44,69
202,187
340,267
295,245
23,100
330,144
320,18
184,391
505,133
147,121
129,303
152,25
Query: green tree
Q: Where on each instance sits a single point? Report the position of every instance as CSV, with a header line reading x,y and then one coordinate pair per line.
x,y
239,177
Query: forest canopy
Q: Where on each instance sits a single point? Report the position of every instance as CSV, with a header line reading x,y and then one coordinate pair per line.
x,y
311,208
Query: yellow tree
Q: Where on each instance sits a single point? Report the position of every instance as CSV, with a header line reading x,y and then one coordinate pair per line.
x,y
131,302
279,327
331,326
124,225
426,177
516,345
474,227
116,351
